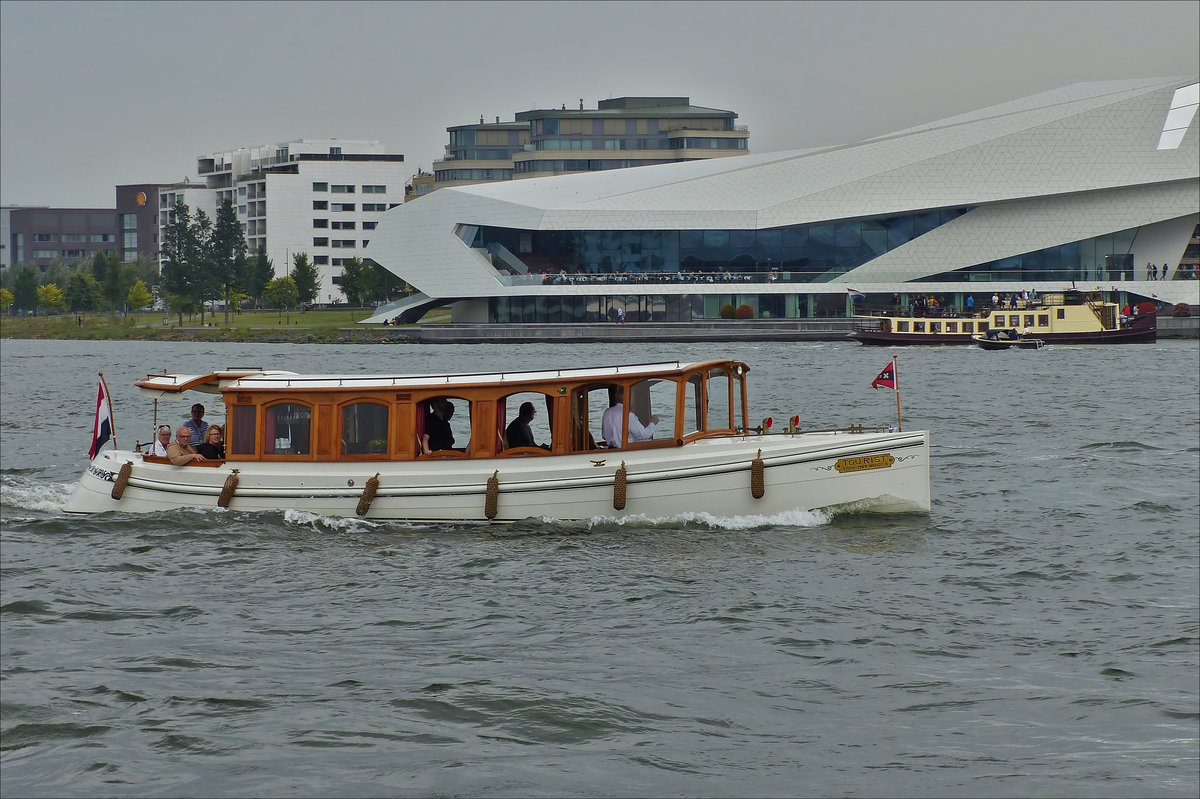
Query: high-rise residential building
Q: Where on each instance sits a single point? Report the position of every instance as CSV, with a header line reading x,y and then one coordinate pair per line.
x,y
618,133
322,197
41,235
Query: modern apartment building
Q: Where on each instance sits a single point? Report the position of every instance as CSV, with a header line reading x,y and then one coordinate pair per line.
x,y
40,235
322,197
618,133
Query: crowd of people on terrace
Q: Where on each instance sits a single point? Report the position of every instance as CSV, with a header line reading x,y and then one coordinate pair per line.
x,y
563,278
929,305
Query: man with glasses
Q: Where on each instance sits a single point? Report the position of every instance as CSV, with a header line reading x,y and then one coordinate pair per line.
x,y
180,451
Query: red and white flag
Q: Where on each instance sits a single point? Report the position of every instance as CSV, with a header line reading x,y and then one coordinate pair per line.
x,y
103,428
886,378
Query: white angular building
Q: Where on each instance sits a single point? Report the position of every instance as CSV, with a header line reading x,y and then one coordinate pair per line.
x,y
1088,184
323,197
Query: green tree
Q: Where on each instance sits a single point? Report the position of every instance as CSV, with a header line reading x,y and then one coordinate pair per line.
x,y
118,280
356,282
25,286
227,253
382,285
139,296
50,297
185,250
146,270
6,300
281,292
207,287
308,279
259,273
59,271
100,266
83,292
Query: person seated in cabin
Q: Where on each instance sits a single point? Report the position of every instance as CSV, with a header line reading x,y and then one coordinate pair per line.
x,y
162,440
213,447
180,451
610,423
519,433
438,434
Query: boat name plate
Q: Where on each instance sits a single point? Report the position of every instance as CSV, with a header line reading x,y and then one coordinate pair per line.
x,y
103,474
866,462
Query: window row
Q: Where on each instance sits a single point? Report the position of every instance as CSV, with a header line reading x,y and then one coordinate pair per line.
x,y
97,238
649,412
348,188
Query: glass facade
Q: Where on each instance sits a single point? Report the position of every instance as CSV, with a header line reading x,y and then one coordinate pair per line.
x,y
797,254
1105,257
630,262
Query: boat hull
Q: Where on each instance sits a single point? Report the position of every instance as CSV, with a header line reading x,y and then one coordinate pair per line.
x,y
870,471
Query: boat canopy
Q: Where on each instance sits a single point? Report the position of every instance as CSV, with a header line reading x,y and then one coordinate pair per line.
x,y
172,385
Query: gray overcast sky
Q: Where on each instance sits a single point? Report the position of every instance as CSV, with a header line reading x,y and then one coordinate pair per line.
x,y
97,94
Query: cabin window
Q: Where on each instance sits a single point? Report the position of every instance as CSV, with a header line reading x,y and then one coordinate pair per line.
x,y
693,410
952,327
983,327
243,438
364,428
935,327
508,411
902,327
587,412
1062,313
288,429
1028,320
1043,320
1014,320
999,320
446,421
721,395
968,327
918,327
655,397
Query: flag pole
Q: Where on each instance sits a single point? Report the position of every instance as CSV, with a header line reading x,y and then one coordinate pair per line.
x,y
896,380
111,417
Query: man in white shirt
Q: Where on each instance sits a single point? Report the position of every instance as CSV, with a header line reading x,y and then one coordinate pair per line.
x,y
611,422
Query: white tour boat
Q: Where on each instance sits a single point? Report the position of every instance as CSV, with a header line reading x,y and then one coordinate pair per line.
x,y
356,445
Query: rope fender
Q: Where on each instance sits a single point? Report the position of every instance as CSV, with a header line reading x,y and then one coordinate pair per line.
x,y
368,495
118,489
758,486
619,487
231,483
491,503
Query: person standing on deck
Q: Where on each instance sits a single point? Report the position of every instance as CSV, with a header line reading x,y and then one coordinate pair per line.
x,y
196,425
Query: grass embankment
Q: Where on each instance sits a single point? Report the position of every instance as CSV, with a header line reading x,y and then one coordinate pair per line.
x,y
309,326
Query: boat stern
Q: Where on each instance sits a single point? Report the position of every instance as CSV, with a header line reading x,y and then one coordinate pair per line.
x,y
94,492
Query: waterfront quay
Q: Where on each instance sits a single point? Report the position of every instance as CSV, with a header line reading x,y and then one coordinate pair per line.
x,y
723,330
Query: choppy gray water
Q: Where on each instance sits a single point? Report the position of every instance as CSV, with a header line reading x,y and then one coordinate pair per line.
x,y
1037,634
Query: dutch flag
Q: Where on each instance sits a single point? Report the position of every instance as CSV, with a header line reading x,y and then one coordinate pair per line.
x,y
855,294
103,428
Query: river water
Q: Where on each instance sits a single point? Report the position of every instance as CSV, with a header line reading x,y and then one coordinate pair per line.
x,y
1037,634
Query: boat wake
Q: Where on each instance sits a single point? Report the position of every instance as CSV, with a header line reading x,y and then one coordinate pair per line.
x,y
18,492
340,524
790,518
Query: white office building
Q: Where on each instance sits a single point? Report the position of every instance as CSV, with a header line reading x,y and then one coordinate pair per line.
x,y
1093,185
322,197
